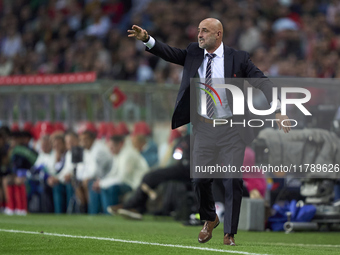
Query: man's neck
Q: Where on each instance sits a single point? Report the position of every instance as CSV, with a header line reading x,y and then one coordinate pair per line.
x,y
214,49
90,147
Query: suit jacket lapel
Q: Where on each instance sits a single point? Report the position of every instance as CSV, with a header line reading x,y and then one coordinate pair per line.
x,y
196,63
228,72
228,62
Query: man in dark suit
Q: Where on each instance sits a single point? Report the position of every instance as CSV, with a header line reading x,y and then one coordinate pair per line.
x,y
210,59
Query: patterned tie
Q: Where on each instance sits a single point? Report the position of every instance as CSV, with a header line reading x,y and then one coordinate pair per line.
x,y
210,103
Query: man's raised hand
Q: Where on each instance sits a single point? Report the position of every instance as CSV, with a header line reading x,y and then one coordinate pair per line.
x,y
139,33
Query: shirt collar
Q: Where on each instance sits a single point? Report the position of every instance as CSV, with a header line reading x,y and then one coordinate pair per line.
x,y
219,51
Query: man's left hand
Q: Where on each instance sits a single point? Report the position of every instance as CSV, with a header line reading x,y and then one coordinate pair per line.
x,y
281,118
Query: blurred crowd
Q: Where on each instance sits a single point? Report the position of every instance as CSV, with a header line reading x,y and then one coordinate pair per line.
x,y
284,37
100,169
44,166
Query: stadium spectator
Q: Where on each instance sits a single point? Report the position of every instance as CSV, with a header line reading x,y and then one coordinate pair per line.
x,y
66,173
141,140
126,173
177,170
42,169
12,43
250,36
6,65
46,155
100,24
57,32
97,162
62,192
22,158
4,167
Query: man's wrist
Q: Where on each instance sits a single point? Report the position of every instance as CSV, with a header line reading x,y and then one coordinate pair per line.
x,y
147,39
277,111
150,43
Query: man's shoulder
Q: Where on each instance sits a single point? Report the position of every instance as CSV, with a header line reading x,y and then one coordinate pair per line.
x,y
237,53
100,148
131,155
193,48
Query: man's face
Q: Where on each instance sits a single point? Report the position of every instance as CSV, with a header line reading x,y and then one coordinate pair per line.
x,y
71,141
59,145
46,145
115,147
207,36
138,141
86,141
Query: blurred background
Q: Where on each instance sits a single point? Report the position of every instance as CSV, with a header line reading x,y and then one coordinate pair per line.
x,y
68,69
284,38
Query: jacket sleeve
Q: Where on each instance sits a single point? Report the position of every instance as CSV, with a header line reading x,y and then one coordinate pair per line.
x,y
257,78
168,53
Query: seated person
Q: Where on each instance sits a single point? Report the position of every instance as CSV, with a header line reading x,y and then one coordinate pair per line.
x,y
66,173
142,141
62,192
4,165
179,171
43,167
126,173
97,162
22,158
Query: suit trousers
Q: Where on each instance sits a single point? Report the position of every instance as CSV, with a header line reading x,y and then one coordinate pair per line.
x,y
224,146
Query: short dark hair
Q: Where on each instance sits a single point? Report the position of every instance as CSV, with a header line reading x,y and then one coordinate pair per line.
x,y
5,130
117,138
71,133
59,137
91,134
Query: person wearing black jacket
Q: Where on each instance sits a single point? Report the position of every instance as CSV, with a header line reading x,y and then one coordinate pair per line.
x,y
210,59
180,171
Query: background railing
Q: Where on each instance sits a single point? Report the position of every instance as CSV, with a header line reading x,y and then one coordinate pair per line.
x,y
71,103
151,102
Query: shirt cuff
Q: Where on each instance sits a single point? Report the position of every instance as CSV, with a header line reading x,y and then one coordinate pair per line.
x,y
278,107
150,43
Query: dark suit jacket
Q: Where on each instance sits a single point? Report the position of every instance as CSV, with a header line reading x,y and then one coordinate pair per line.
x,y
235,63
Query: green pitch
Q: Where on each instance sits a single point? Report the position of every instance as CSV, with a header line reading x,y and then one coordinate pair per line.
x,y
65,234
